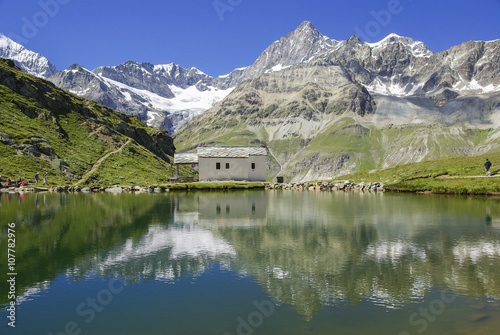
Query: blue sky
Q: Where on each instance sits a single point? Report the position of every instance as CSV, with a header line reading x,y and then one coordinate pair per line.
x,y
217,36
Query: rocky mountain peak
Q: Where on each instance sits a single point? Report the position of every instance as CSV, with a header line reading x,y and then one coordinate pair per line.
x,y
306,28
306,33
28,61
306,25
76,67
300,46
353,40
76,74
417,48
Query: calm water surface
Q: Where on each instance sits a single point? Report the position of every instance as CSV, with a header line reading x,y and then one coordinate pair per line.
x,y
252,262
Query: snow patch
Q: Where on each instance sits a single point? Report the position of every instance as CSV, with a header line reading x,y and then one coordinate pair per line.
x,y
391,86
192,98
473,85
189,98
152,116
163,67
277,68
81,93
383,41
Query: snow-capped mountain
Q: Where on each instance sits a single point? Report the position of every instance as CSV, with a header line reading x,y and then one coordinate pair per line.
x,y
29,61
300,46
470,68
168,96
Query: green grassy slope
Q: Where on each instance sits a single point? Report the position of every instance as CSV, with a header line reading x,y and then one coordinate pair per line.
x,y
462,175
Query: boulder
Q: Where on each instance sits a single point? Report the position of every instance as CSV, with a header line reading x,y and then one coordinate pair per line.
x,y
114,189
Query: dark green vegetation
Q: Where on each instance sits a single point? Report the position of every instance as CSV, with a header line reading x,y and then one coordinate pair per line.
x,y
55,232
459,175
75,140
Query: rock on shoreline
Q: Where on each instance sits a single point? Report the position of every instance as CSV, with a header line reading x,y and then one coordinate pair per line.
x,y
329,186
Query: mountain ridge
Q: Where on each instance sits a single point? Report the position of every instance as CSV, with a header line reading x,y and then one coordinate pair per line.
x,y
299,46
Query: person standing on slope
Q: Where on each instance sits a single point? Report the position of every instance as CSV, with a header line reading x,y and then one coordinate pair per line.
x,y
487,166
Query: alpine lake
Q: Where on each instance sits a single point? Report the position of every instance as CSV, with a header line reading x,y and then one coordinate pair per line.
x,y
251,262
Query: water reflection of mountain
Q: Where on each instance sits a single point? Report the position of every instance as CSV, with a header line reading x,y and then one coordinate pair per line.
x,y
306,249
55,232
384,248
164,253
315,249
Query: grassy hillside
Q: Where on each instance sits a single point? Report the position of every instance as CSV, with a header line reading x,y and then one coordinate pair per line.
x,y
462,175
75,140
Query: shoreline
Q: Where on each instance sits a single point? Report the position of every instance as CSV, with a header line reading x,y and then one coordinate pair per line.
x,y
221,186
333,186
